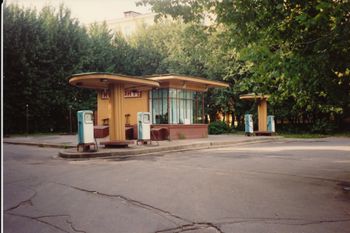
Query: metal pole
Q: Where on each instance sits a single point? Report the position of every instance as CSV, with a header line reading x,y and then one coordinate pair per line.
x,y
197,110
168,105
70,119
27,119
203,118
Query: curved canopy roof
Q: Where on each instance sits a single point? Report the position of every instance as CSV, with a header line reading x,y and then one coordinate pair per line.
x,y
103,80
187,82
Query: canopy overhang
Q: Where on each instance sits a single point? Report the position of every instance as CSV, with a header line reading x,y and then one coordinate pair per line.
x,y
100,81
187,82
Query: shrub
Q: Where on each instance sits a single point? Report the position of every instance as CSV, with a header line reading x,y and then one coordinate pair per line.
x,y
323,126
218,127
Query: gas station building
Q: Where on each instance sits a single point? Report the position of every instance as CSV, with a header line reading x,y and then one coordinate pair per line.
x,y
176,103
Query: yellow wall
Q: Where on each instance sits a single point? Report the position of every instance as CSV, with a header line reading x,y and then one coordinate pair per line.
x,y
134,105
103,109
131,106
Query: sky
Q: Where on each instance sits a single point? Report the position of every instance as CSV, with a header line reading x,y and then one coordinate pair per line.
x,y
88,11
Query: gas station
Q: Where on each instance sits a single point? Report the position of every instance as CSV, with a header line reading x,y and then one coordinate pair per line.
x,y
266,125
174,103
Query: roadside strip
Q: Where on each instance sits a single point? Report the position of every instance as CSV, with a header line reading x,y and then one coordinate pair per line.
x,y
69,151
52,145
145,150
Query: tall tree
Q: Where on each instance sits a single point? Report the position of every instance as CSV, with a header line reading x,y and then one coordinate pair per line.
x,y
101,49
298,51
40,52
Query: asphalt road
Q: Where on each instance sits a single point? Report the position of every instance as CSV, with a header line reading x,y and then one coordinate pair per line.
x,y
301,186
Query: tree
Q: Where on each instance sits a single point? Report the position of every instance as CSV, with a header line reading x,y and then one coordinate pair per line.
x,y
40,52
101,50
20,29
151,46
297,51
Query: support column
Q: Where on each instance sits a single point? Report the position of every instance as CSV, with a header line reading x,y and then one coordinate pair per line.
x,y
262,115
168,105
203,117
117,121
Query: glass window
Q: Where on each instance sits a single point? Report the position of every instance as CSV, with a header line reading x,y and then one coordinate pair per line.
x,y
159,106
185,106
197,108
155,94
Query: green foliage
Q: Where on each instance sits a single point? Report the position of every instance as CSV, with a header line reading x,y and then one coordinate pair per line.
x,y
218,127
297,51
40,51
322,126
185,10
101,51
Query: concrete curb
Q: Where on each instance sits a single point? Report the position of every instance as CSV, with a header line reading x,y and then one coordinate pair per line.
x,y
156,150
68,153
40,144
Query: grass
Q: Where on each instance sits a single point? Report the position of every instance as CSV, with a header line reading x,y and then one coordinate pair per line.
x,y
303,135
314,135
237,132
299,135
342,134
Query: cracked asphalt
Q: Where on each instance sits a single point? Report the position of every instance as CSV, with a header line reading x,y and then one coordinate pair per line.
x,y
288,186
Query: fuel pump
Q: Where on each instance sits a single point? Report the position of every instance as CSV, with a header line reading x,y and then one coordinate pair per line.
x,y
271,123
248,123
144,126
85,130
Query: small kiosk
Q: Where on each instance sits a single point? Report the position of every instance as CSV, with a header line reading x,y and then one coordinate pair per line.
x,y
175,103
262,113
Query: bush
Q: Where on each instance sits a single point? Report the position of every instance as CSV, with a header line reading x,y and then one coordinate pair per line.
x,y
323,126
319,126
218,127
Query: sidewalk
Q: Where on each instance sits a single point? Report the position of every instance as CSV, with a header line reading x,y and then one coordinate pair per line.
x,y
68,144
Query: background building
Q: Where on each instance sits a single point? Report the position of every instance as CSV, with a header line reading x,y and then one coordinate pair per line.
x,y
131,22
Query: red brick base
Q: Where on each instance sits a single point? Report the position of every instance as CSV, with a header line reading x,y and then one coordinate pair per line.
x,y
101,131
184,131
161,132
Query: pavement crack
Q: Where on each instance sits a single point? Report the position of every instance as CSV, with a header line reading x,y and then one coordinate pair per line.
x,y
287,221
212,225
133,202
73,227
25,202
39,219
320,222
186,227
191,227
